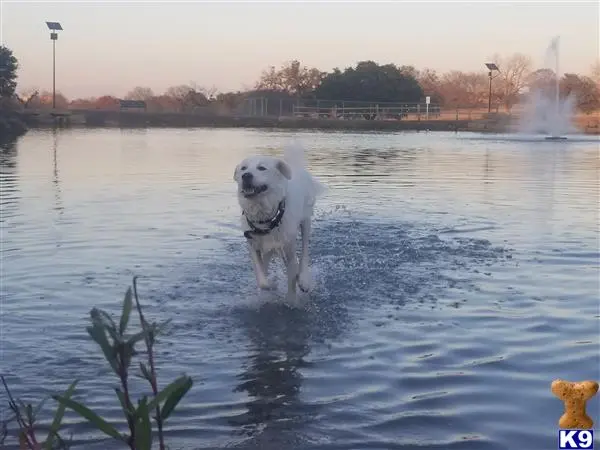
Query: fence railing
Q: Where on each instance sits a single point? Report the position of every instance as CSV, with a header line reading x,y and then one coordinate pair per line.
x,y
347,110
371,112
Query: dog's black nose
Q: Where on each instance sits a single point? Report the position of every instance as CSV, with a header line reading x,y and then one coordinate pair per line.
x,y
247,176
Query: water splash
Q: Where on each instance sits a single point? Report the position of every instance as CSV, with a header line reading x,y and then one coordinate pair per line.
x,y
545,112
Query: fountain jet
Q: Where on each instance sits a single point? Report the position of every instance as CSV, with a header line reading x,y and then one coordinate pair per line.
x,y
546,113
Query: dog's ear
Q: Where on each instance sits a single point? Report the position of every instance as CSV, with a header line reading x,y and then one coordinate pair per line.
x,y
235,172
284,168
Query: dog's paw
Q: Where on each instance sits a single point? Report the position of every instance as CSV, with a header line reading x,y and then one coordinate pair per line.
x,y
267,285
304,281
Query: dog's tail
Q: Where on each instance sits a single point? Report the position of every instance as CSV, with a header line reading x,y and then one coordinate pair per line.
x,y
294,154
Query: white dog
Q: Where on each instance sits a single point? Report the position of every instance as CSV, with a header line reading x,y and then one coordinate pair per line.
x,y
277,197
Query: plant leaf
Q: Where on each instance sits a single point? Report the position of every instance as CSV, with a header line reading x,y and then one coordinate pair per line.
x,y
145,372
166,392
103,318
161,327
39,407
127,304
58,417
143,430
174,398
137,337
91,416
99,336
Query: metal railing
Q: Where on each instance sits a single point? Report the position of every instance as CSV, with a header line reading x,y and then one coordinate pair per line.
x,y
346,110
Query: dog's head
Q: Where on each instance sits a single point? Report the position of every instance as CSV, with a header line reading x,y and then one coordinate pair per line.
x,y
262,176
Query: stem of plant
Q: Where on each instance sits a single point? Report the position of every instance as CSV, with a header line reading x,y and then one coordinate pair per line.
x,y
153,381
29,433
128,404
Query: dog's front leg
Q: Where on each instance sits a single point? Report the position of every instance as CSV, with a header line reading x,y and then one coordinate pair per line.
x,y
304,279
259,270
291,267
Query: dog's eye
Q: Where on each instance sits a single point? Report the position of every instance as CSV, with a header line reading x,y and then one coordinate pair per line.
x,y
243,168
261,168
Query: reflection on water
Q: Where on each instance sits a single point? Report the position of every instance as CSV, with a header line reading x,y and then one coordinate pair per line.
x,y
9,193
279,341
55,180
446,268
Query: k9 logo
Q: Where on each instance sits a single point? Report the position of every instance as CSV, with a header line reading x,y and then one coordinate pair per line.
x,y
570,439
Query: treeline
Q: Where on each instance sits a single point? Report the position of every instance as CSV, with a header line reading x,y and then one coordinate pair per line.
x,y
367,81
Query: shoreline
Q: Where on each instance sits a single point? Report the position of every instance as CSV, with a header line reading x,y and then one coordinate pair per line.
x,y
136,119
12,126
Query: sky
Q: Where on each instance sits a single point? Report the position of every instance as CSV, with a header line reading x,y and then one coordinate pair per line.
x,y
108,48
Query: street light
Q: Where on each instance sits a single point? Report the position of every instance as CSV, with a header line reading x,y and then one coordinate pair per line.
x,y
491,67
54,27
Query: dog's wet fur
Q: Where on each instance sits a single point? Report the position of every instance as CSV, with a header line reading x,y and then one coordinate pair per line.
x,y
265,185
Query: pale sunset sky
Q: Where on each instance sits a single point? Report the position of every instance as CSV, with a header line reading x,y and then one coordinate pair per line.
x,y
110,47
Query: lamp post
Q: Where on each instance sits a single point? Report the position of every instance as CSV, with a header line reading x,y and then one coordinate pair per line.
x,y
491,67
54,27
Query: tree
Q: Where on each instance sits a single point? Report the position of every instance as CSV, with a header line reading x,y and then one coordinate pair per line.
x,y
370,82
430,82
513,77
44,101
28,96
464,89
230,100
292,78
107,102
187,97
163,103
8,72
140,93
409,71
82,103
585,91
543,80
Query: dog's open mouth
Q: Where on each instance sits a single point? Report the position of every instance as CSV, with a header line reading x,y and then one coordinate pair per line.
x,y
252,191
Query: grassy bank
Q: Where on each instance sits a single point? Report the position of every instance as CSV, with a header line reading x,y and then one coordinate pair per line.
x,y
495,123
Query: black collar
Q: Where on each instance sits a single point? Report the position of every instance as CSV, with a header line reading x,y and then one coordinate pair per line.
x,y
271,223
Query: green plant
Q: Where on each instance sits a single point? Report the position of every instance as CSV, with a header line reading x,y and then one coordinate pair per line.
x,y
119,349
26,417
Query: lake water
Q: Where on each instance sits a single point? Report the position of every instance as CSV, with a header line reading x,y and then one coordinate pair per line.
x,y
456,275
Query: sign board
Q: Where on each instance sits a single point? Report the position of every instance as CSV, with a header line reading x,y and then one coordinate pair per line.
x,y
428,99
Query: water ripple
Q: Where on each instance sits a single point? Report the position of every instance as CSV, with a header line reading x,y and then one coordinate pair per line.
x,y
454,279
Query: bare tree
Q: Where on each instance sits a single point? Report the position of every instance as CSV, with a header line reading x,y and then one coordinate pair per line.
x,y
464,89
542,80
187,97
28,95
140,93
292,78
431,83
180,94
514,73
585,91
270,80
